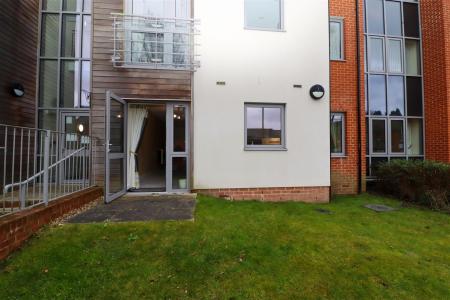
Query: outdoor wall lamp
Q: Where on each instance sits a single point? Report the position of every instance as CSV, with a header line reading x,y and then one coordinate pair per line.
x,y
317,92
17,90
81,128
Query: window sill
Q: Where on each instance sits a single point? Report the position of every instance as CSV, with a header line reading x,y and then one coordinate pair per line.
x,y
264,29
339,156
339,60
265,149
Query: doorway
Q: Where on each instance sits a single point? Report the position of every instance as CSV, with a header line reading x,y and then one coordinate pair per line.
x,y
149,149
147,146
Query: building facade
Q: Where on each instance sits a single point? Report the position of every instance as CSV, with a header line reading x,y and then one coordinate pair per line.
x,y
225,97
255,129
397,106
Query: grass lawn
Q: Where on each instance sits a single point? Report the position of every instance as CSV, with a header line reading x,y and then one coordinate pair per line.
x,y
245,250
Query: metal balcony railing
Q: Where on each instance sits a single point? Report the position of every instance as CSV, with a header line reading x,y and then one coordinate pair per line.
x,y
154,43
38,166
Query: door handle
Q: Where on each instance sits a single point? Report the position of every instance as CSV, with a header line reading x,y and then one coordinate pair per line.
x,y
161,153
108,147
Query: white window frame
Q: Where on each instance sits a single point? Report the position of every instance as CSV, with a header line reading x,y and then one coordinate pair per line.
x,y
282,146
339,20
342,153
281,27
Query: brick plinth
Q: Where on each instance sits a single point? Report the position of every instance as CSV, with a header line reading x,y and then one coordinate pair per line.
x,y
15,229
273,194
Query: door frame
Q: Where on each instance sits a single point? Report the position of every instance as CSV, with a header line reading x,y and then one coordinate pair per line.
x,y
170,153
62,115
110,96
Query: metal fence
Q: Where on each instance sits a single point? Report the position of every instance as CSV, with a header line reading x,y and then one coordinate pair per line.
x,y
156,43
38,166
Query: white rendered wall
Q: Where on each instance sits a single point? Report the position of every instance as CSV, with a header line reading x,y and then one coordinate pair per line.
x,y
261,66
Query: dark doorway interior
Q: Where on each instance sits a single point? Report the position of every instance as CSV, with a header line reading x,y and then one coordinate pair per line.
x,y
151,152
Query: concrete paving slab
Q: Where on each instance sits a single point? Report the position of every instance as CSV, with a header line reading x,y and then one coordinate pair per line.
x,y
140,208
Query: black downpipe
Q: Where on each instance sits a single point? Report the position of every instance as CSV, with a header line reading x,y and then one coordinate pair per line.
x,y
358,80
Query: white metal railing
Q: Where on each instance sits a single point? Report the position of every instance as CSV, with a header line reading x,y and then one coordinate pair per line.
x,y
154,43
38,166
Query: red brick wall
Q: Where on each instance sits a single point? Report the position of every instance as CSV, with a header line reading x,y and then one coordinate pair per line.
x,y
15,229
344,98
436,59
274,194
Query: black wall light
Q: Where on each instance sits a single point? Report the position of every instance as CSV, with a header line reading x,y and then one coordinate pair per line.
x,y
17,90
317,92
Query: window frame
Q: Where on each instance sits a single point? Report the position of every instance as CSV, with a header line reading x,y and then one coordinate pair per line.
x,y
282,146
343,136
339,20
418,150
280,29
83,12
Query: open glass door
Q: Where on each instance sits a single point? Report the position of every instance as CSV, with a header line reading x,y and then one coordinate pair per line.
x,y
115,147
177,154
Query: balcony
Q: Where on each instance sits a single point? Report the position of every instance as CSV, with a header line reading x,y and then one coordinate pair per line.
x,y
154,43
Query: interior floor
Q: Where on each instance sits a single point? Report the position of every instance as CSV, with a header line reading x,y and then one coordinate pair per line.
x,y
155,180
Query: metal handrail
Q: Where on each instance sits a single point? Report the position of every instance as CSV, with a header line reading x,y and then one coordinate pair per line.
x,y
41,165
7,187
154,18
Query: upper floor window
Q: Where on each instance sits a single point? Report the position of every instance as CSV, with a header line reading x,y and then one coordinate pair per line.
x,y
336,38
65,54
264,14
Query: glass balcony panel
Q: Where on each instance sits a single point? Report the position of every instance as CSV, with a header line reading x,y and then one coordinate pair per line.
x,y
154,43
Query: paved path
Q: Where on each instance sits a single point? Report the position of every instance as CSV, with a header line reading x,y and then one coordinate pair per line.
x,y
140,208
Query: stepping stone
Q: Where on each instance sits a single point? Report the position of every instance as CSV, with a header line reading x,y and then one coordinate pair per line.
x,y
324,211
379,207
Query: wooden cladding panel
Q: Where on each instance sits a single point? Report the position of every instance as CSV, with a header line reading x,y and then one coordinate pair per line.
x,y
19,21
125,82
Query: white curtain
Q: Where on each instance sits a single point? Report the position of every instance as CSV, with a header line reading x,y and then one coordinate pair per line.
x,y
136,118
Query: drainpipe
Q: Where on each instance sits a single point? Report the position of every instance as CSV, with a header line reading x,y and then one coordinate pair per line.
x,y
358,80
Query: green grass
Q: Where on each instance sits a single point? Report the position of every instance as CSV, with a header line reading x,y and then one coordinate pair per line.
x,y
245,250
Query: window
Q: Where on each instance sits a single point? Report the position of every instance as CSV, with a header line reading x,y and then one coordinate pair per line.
x,y
375,16
397,136
394,56
411,19
337,136
394,83
377,95
413,57
376,54
336,38
393,18
264,127
414,96
415,137
264,14
396,96
378,136
64,59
